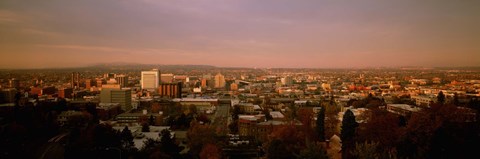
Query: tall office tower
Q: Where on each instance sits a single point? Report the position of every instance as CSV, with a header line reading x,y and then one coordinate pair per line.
x,y
287,80
172,90
99,82
7,95
204,83
114,95
75,83
89,83
122,80
109,75
150,79
65,93
166,78
233,86
219,81
14,83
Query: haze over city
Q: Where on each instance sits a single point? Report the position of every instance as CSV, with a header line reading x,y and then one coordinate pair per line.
x,y
239,79
247,33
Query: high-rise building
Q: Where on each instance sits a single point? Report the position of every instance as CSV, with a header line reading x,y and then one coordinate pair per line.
x,y
172,90
287,80
204,83
121,96
99,82
166,78
122,80
75,82
234,87
8,95
65,93
150,79
89,83
14,83
219,81
109,75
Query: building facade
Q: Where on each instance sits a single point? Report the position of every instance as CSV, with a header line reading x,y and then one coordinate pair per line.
x,y
172,90
150,79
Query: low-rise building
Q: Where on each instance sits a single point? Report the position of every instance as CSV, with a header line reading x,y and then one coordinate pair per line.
x,y
402,109
424,101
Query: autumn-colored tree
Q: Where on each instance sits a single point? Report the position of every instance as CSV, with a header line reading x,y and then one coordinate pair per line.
x,y
313,151
143,119
371,150
198,136
382,127
305,115
203,118
291,136
210,151
422,126
155,107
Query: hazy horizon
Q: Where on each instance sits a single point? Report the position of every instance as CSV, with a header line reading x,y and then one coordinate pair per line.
x,y
240,33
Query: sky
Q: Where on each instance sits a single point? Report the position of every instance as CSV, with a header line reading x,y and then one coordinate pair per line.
x,y
240,33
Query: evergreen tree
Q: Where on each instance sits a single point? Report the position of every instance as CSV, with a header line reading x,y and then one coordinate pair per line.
x,y
126,137
151,120
441,98
456,102
145,127
168,144
268,116
347,135
321,124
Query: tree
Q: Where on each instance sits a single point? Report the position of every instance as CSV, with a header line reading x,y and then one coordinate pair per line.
x,y
347,135
292,139
313,151
305,115
278,150
366,151
321,124
198,136
268,116
92,109
168,144
126,138
382,127
145,127
192,109
441,98
210,151
151,120
233,126
203,118
456,102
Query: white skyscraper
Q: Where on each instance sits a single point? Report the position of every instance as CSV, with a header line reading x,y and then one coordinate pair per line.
x,y
150,80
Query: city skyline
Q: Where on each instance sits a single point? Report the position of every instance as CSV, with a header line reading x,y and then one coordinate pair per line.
x,y
263,34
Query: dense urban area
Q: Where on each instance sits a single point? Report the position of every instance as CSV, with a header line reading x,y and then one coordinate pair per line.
x,y
196,111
